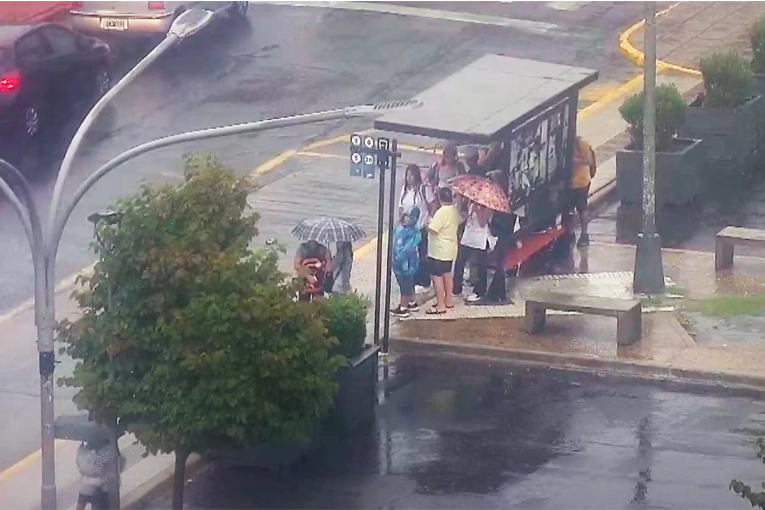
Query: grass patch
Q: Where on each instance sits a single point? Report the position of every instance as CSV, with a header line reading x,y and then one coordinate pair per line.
x,y
728,306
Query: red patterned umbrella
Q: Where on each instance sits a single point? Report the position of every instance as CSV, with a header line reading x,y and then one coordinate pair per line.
x,y
482,191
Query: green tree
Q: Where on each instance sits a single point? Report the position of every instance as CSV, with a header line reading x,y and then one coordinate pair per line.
x,y
755,498
193,340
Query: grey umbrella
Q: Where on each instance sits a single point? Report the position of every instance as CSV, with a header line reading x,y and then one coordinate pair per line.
x,y
328,230
79,428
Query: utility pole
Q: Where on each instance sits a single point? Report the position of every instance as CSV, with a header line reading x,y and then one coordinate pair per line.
x,y
649,270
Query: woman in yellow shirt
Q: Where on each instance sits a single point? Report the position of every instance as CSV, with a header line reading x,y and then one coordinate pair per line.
x,y
442,250
584,164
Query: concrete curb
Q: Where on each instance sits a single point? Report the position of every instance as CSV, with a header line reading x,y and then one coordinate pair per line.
x,y
644,370
159,484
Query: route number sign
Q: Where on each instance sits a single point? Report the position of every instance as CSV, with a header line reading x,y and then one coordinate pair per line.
x,y
367,154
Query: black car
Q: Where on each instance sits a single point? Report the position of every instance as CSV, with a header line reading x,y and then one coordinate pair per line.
x,y
48,76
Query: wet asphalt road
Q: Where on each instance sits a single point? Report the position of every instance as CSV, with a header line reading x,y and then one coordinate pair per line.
x,y
459,434
289,60
284,61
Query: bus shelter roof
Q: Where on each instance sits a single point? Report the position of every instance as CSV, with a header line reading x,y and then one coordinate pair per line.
x,y
488,99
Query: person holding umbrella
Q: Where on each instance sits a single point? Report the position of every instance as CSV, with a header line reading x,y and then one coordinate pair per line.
x,y
475,244
489,200
313,260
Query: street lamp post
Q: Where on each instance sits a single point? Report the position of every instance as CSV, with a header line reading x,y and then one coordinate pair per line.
x,y
44,244
649,270
187,24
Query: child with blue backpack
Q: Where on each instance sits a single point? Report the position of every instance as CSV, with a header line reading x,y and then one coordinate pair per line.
x,y
406,260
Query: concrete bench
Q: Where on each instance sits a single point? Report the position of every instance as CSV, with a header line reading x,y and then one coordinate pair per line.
x,y
628,312
729,237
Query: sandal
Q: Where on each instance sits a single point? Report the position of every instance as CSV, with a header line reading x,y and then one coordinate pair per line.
x,y
435,311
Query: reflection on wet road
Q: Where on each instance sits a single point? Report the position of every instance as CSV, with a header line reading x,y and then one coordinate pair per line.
x,y
464,434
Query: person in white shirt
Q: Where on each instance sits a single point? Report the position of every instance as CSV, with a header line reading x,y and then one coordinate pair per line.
x,y
416,194
475,244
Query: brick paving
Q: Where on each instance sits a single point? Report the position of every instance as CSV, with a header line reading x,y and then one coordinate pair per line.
x,y
581,341
695,29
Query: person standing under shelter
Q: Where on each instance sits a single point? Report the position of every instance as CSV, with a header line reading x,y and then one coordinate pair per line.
x,y
579,191
475,243
406,261
447,167
442,250
416,195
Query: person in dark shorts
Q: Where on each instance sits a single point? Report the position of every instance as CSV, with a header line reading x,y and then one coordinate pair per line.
x,y
442,250
579,191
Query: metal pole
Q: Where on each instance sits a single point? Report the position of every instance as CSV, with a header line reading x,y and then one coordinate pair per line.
x,y
87,123
65,211
378,268
27,213
649,271
388,264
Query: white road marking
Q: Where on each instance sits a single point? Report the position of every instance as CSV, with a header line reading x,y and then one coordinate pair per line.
x,y
566,6
424,12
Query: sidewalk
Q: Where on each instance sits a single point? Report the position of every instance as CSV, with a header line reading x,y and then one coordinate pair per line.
x,y
695,29
696,303
320,184
19,13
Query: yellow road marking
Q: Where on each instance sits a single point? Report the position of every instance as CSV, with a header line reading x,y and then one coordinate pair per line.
x,y
638,56
311,154
24,463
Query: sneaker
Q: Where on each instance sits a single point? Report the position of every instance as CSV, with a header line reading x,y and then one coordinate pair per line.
x,y
414,307
399,312
584,240
473,298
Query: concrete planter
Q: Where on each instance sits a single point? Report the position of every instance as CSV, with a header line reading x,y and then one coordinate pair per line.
x,y
677,179
354,405
730,137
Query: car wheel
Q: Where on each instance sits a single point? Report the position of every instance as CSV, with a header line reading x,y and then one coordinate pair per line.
x,y
103,83
239,9
31,122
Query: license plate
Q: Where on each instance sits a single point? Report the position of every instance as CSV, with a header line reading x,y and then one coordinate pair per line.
x,y
114,24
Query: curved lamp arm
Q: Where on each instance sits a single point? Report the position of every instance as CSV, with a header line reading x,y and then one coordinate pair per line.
x,y
54,235
58,219
18,186
86,124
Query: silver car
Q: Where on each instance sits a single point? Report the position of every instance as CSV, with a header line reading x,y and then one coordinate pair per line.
x,y
142,19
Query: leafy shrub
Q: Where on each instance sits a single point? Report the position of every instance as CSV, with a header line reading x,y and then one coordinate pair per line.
x,y
346,319
191,339
670,116
757,39
728,79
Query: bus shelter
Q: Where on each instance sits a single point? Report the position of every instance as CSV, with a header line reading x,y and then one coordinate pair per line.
x,y
530,107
